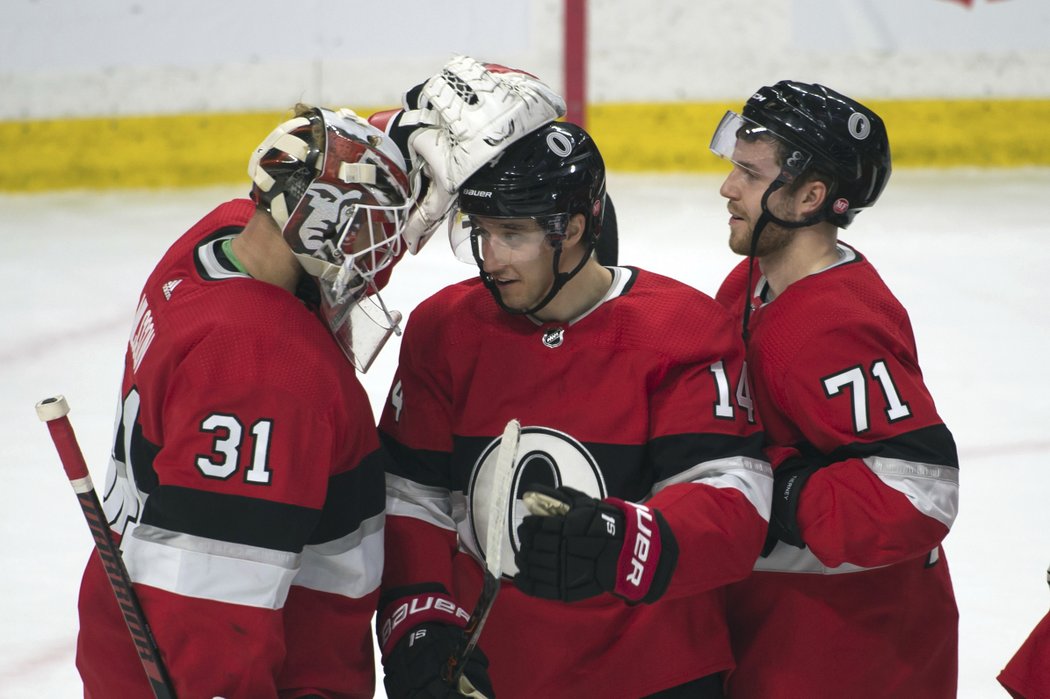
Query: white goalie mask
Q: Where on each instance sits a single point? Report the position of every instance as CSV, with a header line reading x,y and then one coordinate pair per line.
x,y
338,189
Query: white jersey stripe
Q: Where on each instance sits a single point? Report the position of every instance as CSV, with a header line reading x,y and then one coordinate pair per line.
x,y
351,566
932,490
405,498
194,566
210,262
785,558
752,477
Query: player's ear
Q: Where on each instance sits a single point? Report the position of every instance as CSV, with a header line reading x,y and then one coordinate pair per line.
x,y
574,230
811,197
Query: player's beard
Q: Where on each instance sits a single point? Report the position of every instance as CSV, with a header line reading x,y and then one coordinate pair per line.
x,y
771,239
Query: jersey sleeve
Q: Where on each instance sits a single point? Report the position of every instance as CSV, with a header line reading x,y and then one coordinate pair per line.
x,y
416,429
888,487
259,550
713,483
1027,675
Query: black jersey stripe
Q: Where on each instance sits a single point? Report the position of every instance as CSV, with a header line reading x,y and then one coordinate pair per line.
x,y
630,470
353,496
423,466
673,454
232,518
928,445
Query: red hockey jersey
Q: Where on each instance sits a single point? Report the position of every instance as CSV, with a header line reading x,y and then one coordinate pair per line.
x,y
867,608
636,399
246,488
1027,675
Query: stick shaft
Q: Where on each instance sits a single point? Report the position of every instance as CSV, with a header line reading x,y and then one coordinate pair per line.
x,y
76,470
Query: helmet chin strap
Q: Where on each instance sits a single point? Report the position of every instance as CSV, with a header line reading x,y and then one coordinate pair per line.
x,y
560,280
760,225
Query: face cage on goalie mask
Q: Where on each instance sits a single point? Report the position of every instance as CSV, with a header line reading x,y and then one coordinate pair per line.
x,y
346,278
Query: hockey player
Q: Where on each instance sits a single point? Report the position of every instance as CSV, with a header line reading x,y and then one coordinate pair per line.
x,y
625,384
852,596
246,480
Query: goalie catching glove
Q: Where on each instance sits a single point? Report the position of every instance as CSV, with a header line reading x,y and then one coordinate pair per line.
x,y
419,630
596,546
454,123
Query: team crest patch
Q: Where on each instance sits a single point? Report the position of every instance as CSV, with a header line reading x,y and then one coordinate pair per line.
x,y
553,337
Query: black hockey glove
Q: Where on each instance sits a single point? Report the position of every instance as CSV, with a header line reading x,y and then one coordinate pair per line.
x,y
414,665
788,480
597,546
420,627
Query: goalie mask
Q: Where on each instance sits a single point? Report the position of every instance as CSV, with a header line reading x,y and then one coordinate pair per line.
x,y
338,189
548,176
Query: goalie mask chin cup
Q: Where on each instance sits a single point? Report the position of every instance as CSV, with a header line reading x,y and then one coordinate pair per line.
x,y
338,189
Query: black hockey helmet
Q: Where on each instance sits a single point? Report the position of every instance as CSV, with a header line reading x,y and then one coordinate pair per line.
x,y
556,169
548,175
835,134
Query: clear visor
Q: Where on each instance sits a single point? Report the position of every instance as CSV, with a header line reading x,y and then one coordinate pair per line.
x,y
752,147
503,240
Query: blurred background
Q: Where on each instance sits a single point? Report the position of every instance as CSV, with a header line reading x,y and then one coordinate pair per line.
x,y
133,93
122,122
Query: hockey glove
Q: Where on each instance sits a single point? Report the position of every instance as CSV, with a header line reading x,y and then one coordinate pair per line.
x,y
457,121
597,546
413,666
788,479
419,630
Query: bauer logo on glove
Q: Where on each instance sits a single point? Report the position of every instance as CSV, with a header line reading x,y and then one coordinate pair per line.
x,y
574,547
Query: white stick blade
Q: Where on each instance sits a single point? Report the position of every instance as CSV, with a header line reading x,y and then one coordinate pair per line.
x,y
499,502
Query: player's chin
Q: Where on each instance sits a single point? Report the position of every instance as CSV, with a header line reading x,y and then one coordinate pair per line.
x,y
740,241
513,297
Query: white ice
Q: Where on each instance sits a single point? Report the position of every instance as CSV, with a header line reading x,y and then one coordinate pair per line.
x,y
964,250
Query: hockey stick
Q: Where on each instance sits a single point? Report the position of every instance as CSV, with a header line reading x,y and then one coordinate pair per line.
x,y
498,524
53,411
543,505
